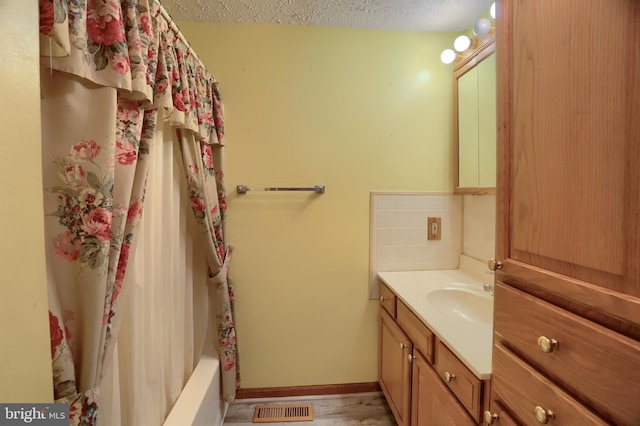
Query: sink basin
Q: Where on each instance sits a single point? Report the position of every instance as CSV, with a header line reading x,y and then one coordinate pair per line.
x,y
466,302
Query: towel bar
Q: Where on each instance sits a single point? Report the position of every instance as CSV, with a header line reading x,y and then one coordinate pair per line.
x,y
243,189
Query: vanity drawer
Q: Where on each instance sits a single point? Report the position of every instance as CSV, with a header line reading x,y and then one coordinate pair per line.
x,y
599,366
387,299
532,397
417,331
462,382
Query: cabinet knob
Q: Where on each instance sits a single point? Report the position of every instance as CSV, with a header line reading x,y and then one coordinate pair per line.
x,y
489,417
543,415
494,264
411,357
449,377
382,299
547,345
402,346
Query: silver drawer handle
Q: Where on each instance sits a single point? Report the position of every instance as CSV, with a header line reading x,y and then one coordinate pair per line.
x,y
543,415
547,345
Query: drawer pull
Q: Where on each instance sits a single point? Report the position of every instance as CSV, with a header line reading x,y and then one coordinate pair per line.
x,y
382,299
489,417
543,415
402,346
494,265
411,357
547,345
448,377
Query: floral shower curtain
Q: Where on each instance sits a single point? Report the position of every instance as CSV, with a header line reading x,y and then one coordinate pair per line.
x,y
166,324
208,202
111,70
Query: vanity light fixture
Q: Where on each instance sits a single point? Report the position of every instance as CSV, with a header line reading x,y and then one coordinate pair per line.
x,y
462,43
481,28
448,56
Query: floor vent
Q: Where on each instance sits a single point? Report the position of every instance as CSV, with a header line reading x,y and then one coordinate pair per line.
x,y
283,413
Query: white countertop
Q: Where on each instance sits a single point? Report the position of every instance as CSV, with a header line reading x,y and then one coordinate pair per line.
x,y
470,341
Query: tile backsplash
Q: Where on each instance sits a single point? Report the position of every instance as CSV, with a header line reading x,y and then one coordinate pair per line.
x,y
398,233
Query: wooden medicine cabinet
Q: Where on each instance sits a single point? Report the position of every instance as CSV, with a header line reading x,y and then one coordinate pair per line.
x,y
474,89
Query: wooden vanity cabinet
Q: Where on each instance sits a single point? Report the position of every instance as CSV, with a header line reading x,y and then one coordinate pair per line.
x,y
567,307
395,367
415,392
431,401
423,339
388,300
460,380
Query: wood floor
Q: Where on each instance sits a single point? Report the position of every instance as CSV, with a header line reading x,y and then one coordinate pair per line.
x,y
342,410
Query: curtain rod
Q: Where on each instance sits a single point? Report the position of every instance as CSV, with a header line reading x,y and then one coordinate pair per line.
x,y
174,27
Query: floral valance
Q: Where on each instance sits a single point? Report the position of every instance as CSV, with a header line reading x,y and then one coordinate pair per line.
x,y
130,46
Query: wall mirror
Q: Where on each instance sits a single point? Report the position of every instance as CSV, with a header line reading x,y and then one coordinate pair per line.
x,y
474,87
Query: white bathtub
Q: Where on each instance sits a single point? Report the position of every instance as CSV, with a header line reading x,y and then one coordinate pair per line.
x,y
200,403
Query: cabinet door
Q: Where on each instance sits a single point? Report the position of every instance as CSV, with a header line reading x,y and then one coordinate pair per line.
x,y
431,402
395,367
568,188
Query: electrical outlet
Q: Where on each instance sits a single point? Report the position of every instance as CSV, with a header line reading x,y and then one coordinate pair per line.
x,y
434,228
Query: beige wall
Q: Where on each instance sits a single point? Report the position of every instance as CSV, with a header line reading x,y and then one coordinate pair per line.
x,y
25,367
355,110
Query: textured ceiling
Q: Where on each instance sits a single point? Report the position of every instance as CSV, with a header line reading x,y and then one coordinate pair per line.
x,y
404,15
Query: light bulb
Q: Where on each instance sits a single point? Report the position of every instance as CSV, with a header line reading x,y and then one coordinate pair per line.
x,y
492,11
482,27
448,56
462,43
